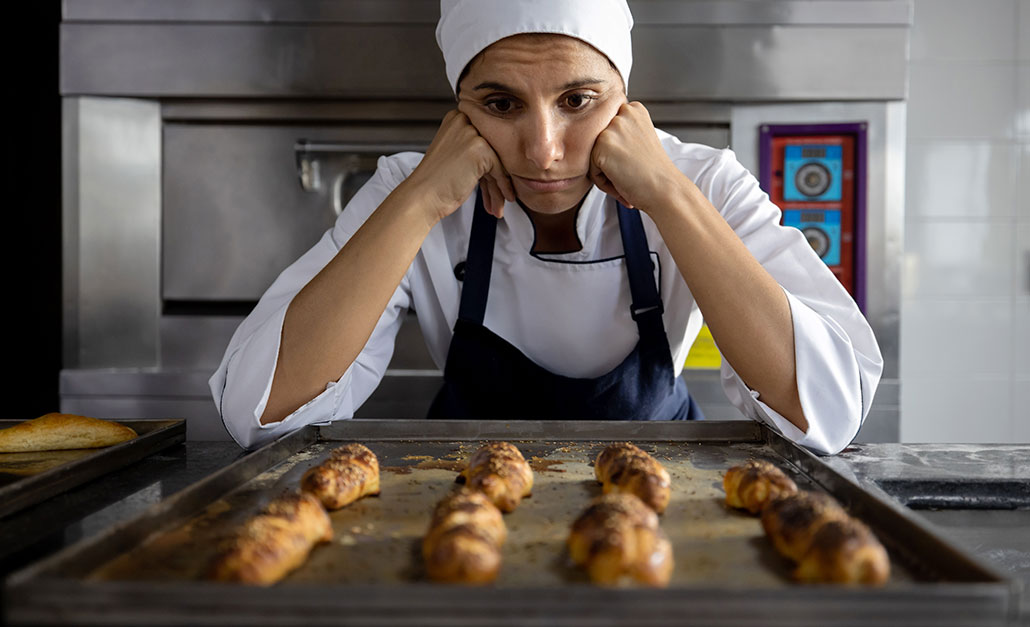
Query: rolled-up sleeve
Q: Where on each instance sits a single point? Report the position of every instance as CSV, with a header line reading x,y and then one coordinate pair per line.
x,y
241,385
837,359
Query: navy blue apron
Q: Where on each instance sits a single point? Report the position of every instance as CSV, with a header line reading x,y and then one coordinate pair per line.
x,y
486,378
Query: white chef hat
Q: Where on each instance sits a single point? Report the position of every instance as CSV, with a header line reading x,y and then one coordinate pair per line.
x,y
468,26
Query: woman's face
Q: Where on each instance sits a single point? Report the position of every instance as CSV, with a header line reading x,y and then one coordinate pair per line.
x,y
540,101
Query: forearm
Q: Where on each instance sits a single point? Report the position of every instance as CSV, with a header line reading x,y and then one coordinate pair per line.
x,y
744,307
329,321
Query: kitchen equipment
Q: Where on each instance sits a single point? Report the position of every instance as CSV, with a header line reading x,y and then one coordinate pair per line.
x,y
208,145
29,478
816,174
145,570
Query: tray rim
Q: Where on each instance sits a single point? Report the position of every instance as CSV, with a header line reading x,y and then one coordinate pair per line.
x,y
132,603
64,570
42,486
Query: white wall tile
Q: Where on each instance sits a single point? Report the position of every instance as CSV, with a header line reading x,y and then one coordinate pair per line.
x,y
1023,101
965,308
941,30
965,259
1024,30
1021,265
957,100
1021,410
974,179
1023,196
952,337
1021,339
957,408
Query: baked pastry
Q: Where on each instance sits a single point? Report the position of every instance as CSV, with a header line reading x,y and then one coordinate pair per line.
x,y
755,483
827,545
351,472
844,551
628,468
618,536
273,543
792,521
56,432
499,470
463,543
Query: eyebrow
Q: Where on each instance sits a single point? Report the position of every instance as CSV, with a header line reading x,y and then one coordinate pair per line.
x,y
583,82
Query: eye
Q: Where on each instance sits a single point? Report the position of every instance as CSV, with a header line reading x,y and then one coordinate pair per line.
x,y
578,100
500,105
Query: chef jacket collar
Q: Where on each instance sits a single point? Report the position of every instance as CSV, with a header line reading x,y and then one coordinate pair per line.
x,y
589,222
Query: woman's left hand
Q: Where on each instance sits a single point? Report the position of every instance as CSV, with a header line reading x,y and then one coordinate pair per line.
x,y
628,161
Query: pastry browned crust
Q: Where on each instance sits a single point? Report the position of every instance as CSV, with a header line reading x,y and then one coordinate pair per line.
x,y
58,432
792,521
627,468
499,470
825,542
278,540
463,543
755,483
351,472
844,551
618,536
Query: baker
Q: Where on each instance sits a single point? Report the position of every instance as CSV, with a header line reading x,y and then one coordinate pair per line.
x,y
560,253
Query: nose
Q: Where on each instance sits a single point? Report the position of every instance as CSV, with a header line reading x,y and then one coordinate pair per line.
x,y
543,139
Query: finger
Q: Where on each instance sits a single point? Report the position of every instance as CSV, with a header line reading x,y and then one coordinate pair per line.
x,y
639,107
601,181
453,119
502,179
605,185
496,172
464,105
491,195
484,190
498,199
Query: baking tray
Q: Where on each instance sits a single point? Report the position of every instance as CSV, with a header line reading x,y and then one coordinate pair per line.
x,y
30,478
147,569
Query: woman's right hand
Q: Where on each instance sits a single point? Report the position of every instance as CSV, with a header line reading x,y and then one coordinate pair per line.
x,y
455,162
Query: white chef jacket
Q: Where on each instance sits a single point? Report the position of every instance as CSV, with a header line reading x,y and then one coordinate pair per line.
x,y
573,317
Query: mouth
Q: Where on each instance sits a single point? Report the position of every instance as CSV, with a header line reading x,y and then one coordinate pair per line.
x,y
547,185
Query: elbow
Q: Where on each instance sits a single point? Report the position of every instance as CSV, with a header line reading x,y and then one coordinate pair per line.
x,y
840,440
247,437
240,421
835,422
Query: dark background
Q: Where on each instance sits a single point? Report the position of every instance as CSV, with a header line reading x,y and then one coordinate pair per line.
x,y
32,243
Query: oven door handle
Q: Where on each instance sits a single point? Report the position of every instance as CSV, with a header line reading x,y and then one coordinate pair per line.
x,y
309,169
305,146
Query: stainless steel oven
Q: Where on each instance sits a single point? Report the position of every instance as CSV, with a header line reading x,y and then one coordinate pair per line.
x,y
208,145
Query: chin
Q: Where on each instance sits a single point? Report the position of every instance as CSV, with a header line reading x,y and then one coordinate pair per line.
x,y
552,203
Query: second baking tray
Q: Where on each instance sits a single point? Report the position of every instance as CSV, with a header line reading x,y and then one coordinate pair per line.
x,y
30,478
152,568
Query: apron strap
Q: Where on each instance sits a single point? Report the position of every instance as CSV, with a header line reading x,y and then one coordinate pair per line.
x,y
478,263
646,303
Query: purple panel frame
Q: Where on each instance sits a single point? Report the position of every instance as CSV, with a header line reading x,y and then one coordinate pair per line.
x,y
858,129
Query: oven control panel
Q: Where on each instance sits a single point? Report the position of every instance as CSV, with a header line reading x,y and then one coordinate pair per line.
x,y
815,175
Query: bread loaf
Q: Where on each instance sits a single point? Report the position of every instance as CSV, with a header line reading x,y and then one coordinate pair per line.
x,y
755,484
499,471
57,432
618,536
463,544
278,540
351,472
629,469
